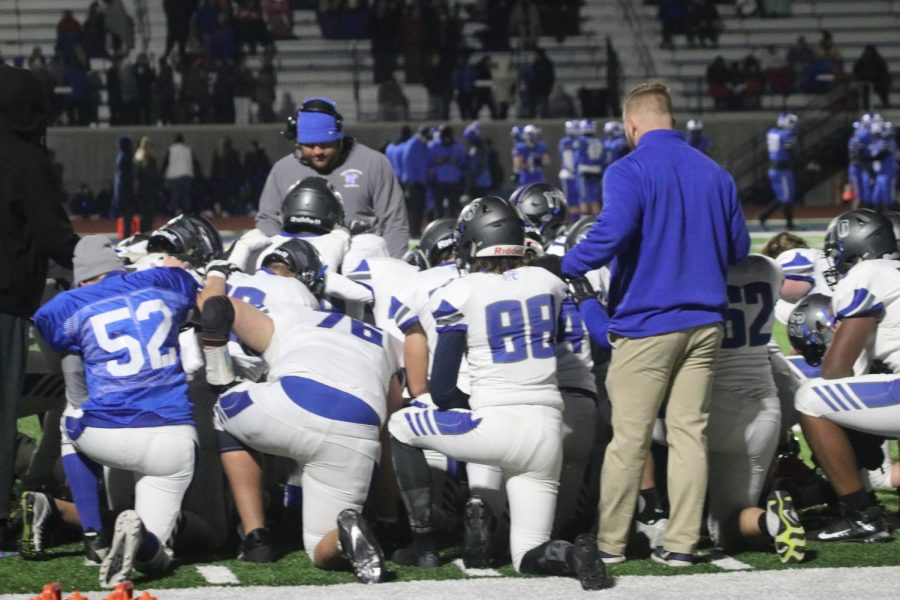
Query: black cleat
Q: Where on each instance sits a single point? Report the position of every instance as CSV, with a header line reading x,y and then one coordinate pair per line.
x,y
256,547
411,557
358,545
589,567
858,526
95,548
479,524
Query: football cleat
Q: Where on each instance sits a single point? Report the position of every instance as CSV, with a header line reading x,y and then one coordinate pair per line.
x,y
37,517
858,526
256,547
95,548
784,526
673,559
119,561
589,566
359,547
652,523
411,557
479,523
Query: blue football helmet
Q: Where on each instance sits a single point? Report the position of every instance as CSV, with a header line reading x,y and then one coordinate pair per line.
x,y
613,129
587,127
571,127
531,134
787,121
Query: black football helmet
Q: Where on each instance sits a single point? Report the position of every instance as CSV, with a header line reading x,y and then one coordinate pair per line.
x,y
544,206
302,258
857,235
489,227
579,230
810,327
188,237
438,237
894,217
312,204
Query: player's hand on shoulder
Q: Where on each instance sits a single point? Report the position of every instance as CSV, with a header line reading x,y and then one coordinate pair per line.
x,y
581,289
550,262
220,268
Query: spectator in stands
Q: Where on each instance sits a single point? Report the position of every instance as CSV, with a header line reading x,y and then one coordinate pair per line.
x,y
250,27
264,93
525,22
123,205
280,17
128,88
779,76
464,77
673,15
165,92
227,177
287,107
145,77
178,23
800,57
871,67
439,88
496,36
119,25
754,82
256,166
385,42
392,103
244,89
503,83
194,96
703,23
539,80
178,167
560,105
483,94
77,101
413,42
206,20
826,49
93,33
223,92
147,183
68,35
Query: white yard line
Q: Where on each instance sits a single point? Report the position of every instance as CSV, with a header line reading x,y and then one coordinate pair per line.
x,y
730,564
217,575
476,572
871,583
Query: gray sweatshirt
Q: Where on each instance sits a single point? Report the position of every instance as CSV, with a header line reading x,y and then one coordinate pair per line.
x,y
369,190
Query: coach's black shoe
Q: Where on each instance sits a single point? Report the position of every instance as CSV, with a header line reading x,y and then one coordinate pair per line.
x,y
38,515
479,524
589,567
412,557
96,547
256,547
857,526
358,545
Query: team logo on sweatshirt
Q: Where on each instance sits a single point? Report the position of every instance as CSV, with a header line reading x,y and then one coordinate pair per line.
x,y
351,177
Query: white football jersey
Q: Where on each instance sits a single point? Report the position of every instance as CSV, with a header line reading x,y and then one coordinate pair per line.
x,y
364,246
512,322
264,289
412,304
743,363
801,264
333,349
384,277
872,288
331,247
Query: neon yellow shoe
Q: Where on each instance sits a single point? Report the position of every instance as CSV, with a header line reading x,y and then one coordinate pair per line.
x,y
785,528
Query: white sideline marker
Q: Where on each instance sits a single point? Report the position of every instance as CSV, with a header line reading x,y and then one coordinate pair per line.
x,y
217,575
476,572
730,564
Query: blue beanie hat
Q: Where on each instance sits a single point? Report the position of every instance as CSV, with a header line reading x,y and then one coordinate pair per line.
x,y
319,122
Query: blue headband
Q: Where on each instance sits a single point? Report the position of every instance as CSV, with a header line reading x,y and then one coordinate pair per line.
x,y
318,128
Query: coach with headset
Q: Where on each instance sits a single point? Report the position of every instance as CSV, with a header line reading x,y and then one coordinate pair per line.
x,y
364,178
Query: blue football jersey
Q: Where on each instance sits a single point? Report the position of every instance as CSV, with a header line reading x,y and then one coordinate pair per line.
x,y
567,148
533,156
590,157
614,149
780,144
884,157
126,330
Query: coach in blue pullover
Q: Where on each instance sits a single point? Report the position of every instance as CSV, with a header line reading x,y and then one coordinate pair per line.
x,y
670,227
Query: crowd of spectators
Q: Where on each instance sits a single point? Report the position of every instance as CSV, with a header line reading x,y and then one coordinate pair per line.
x,y
697,20
800,68
150,185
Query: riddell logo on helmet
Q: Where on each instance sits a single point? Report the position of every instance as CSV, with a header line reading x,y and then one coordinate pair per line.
x,y
310,220
508,251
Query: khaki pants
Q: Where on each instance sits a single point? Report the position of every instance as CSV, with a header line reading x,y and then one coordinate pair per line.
x,y
644,373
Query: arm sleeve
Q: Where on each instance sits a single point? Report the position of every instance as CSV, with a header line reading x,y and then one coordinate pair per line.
x,y
73,375
597,322
619,221
340,286
44,213
448,355
390,208
267,219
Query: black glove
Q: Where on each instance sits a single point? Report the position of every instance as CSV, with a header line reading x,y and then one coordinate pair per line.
x,y
581,289
551,262
221,266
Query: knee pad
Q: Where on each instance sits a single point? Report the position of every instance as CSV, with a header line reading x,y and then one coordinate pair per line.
x,y
218,316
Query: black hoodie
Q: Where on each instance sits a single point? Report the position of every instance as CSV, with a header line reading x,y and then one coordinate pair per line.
x,y
33,224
